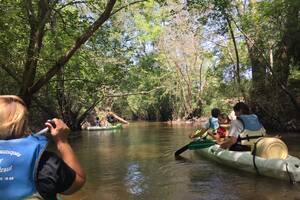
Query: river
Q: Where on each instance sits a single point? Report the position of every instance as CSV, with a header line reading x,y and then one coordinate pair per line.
x,y
138,162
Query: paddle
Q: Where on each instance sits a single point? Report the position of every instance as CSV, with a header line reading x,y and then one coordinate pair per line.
x,y
196,144
182,149
45,130
200,132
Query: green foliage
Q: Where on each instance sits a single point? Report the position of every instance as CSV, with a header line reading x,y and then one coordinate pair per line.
x,y
158,60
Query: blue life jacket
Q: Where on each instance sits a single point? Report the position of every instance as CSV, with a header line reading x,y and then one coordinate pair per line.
x,y
252,130
213,123
19,159
250,122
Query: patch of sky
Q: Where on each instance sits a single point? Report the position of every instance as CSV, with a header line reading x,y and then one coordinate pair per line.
x,y
149,47
210,38
247,73
228,73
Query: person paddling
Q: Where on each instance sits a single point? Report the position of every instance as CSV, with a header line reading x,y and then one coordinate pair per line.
x,y
244,131
27,168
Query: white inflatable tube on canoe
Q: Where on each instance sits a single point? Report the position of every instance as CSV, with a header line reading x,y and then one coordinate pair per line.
x,y
284,169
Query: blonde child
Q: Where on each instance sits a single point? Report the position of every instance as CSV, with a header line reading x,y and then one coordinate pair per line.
x,y
27,169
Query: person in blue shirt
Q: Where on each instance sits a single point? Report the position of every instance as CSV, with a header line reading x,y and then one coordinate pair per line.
x,y
211,126
27,168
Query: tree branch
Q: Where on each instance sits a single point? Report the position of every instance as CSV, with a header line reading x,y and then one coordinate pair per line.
x,y
126,6
71,3
63,22
46,109
282,86
37,30
11,73
81,40
86,112
134,93
30,13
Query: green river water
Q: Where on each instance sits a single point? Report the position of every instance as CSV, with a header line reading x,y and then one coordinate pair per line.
x,y
137,162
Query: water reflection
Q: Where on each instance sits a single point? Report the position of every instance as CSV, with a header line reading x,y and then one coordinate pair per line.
x,y
134,180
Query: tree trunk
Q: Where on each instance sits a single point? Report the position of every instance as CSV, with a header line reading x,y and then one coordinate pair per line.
x,y
237,69
37,30
29,88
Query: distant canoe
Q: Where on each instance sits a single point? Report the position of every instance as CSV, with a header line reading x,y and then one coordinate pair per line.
x,y
102,128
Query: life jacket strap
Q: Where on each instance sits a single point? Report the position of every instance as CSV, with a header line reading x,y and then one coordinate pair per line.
x,y
248,138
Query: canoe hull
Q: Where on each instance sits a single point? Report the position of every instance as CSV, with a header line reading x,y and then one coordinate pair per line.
x,y
100,128
284,169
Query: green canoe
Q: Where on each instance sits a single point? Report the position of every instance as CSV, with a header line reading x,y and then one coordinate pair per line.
x,y
103,128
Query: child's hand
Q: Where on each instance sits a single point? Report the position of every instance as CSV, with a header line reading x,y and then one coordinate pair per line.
x,y
198,132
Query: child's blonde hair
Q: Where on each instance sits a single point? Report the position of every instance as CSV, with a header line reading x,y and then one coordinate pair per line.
x,y
13,117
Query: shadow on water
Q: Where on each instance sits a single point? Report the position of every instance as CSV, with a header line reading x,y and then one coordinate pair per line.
x,y
138,162
182,159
